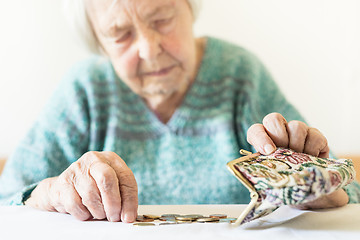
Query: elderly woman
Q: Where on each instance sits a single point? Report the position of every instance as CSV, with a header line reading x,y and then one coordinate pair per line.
x,y
160,106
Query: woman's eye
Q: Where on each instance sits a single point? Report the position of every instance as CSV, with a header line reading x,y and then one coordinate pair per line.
x,y
163,22
123,37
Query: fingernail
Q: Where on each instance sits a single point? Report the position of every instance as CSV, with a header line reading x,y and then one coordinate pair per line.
x,y
114,218
269,149
129,217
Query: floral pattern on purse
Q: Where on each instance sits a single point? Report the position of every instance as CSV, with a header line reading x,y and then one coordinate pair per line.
x,y
286,177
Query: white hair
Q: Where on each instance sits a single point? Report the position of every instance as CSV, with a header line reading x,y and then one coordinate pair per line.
x,y
75,12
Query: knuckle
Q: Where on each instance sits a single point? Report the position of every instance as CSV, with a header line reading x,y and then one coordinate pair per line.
x,y
326,142
314,130
297,126
76,210
271,117
110,154
318,132
71,207
253,131
55,198
316,136
253,127
67,177
129,196
77,167
107,181
91,201
90,155
131,187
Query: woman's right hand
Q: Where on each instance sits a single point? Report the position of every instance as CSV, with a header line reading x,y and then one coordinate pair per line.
x,y
98,185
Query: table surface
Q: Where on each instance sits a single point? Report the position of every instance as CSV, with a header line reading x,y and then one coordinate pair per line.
x,y
286,223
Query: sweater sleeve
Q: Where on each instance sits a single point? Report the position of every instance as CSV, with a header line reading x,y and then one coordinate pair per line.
x,y
58,137
261,97
353,191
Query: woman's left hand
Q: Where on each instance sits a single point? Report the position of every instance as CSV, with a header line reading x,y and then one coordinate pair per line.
x,y
275,132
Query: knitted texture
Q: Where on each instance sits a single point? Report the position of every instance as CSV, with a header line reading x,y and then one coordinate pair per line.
x,y
181,162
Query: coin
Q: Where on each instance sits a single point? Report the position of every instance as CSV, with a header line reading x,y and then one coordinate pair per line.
x,y
167,223
170,215
151,216
183,222
229,220
218,216
144,224
183,218
204,220
194,216
141,218
167,218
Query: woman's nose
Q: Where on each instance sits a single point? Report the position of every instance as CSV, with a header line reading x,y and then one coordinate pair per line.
x,y
149,45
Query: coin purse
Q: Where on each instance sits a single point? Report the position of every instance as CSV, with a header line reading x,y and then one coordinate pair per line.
x,y
287,178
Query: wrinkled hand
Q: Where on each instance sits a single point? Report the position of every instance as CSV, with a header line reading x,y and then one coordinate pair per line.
x,y
98,185
275,132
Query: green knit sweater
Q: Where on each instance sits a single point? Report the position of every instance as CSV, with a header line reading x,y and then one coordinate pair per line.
x,y
181,162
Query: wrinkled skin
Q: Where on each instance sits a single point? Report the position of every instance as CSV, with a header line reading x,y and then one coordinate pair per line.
x,y
275,131
155,53
99,185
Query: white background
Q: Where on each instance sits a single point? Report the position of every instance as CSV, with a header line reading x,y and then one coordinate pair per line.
x,y
310,46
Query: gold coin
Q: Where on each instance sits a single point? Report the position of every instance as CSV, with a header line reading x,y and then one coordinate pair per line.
x,y
151,216
183,222
204,220
144,224
141,218
218,216
183,218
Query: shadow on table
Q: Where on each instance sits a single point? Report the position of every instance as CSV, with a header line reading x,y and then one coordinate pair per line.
x,y
338,219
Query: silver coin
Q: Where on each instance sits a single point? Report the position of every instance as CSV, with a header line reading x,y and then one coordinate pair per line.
x,y
167,223
206,220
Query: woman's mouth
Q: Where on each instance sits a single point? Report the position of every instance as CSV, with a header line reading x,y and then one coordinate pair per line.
x,y
161,72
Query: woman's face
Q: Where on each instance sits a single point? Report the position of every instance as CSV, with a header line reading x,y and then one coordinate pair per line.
x,y
149,42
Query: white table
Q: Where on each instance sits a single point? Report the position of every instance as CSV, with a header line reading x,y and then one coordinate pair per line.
x,y
341,223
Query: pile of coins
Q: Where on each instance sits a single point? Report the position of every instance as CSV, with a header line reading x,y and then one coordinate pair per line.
x,y
169,219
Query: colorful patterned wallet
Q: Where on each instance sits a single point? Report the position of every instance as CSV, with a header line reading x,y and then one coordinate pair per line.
x,y
287,178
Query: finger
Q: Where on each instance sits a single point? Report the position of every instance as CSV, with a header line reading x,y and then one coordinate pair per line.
x,y
128,188
55,199
72,203
337,198
60,209
297,132
259,138
87,189
108,185
316,144
275,125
